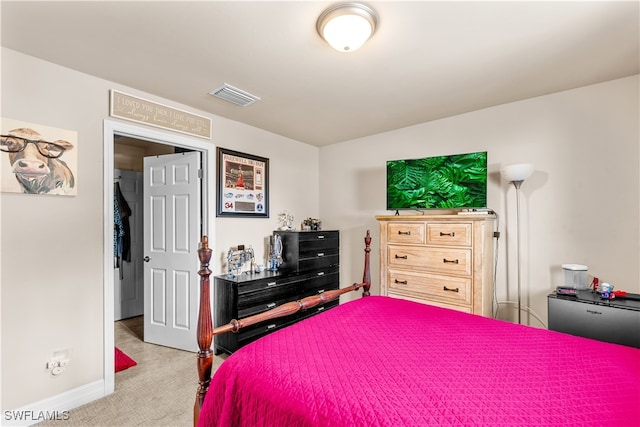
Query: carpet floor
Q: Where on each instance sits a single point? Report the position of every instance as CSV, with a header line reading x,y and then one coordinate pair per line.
x,y
159,391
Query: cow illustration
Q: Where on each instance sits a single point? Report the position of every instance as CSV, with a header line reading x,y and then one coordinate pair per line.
x,y
36,163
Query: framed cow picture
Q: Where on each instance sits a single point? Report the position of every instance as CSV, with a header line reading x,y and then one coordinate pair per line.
x,y
37,159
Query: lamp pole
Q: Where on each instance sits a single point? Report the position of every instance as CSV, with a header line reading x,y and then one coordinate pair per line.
x,y
516,174
517,185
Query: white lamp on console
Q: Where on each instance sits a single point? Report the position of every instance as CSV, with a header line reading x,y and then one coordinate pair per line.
x,y
516,174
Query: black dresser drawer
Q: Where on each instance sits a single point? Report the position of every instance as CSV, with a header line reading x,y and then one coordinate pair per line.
x,y
307,250
297,287
245,336
255,282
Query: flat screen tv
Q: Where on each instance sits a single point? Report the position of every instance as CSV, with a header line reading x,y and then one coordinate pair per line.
x,y
457,181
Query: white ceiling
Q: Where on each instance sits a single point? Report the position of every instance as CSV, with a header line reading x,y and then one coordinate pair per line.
x,y
428,59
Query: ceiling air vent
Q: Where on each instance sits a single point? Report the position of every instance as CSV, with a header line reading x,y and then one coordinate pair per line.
x,y
234,95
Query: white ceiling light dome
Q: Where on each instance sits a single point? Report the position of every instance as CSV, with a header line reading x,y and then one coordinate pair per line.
x,y
347,26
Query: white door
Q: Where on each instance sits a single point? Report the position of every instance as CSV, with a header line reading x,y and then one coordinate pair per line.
x,y
171,237
128,278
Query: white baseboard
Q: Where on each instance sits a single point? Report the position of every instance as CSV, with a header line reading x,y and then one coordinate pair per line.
x,y
53,408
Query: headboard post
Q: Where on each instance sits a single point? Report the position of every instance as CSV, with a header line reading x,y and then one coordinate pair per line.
x,y
366,278
205,327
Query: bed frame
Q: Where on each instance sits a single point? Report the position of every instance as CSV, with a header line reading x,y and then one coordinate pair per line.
x,y
206,331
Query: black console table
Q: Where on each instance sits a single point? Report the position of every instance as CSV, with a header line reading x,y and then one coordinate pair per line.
x,y
587,315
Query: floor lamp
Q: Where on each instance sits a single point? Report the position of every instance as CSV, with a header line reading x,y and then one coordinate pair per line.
x,y
516,174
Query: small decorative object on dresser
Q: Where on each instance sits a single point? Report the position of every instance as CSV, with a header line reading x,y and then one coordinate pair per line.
x,y
286,221
442,260
275,252
237,257
311,224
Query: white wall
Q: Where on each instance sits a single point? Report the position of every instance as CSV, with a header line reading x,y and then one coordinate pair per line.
x,y
580,206
52,256
584,144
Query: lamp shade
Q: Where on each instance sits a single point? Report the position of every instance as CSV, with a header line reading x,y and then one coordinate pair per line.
x,y
347,26
515,173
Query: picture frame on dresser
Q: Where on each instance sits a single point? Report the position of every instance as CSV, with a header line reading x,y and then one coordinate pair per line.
x,y
242,184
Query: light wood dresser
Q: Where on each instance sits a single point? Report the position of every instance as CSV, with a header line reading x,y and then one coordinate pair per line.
x,y
442,260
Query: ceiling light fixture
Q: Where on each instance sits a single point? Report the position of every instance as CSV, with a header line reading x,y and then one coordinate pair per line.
x,y
347,26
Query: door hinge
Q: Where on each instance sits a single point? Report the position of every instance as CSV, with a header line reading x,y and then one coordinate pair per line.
x,y
200,173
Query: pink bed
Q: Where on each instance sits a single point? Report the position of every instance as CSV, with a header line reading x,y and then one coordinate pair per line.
x,y
379,361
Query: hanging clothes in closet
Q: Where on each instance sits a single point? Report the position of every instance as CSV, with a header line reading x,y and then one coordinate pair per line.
x,y
121,229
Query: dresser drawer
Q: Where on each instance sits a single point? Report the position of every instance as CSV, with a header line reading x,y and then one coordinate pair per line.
x,y
311,236
463,308
322,261
406,232
246,285
318,249
246,310
260,306
267,297
438,260
246,335
304,285
309,250
443,288
256,331
450,234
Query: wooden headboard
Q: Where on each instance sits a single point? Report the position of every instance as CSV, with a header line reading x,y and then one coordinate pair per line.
x,y
206,331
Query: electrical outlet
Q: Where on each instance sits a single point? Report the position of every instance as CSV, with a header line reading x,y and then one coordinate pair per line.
x,y
58,362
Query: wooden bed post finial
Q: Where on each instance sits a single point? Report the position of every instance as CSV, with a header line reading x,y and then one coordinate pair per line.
x,y
366,278
205,327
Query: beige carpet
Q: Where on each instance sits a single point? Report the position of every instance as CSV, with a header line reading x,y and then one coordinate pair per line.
x,y
159,391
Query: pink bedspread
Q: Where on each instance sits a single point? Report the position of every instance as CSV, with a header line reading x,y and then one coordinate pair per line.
x,y
380,361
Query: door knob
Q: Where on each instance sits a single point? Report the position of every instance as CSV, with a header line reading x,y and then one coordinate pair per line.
x,y
146,259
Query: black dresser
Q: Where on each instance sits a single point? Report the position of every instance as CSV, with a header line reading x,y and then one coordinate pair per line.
x,y
310,266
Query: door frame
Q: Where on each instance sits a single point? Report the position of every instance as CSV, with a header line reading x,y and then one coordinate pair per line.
x,y
110,130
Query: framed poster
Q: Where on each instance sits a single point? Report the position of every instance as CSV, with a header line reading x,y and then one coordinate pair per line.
x,y
243,184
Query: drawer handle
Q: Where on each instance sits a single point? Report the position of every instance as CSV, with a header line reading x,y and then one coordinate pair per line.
x,y
271,305
271,326
320,273
320,236
320,308
450,261
320,254
401,256
320,291
452,234
401,282
270,284
451,290
408,233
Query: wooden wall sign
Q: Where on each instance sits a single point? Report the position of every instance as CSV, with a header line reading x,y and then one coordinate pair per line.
x,y
151,113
